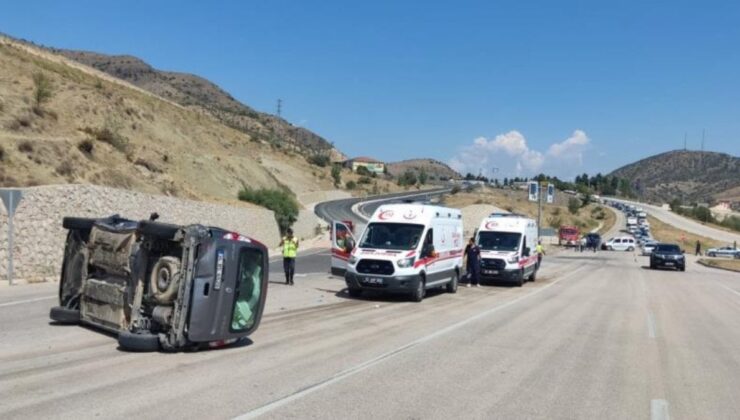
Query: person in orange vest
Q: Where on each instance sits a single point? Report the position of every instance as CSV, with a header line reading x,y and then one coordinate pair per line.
x,y
290,251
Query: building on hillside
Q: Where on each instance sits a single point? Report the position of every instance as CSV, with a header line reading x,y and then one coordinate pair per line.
x,y
371,164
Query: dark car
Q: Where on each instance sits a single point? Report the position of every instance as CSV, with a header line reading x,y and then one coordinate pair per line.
x,y
159,285
593,241
668,256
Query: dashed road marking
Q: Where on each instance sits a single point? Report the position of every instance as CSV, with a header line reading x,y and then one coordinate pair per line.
x,y
20,302
659,410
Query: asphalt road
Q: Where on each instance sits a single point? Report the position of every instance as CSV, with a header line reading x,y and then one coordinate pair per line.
x,y
597,336
684,223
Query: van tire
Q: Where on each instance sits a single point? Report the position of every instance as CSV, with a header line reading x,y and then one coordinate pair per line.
x,y
158,230
419,291
64,315
355,293
164,281
520,278
630,249
78,223
452,284
138,342
533,276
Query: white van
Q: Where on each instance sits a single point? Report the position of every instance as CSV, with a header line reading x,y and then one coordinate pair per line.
x,y
407,248
623,243
508,242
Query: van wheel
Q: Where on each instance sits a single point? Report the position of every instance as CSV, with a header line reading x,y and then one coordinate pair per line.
x,y
418,294
164,281
452,284
630,249
64,315
533,277
520,279
138,342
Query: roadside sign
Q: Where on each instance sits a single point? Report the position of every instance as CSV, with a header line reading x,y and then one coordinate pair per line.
x,y
534,191
11,199
550,193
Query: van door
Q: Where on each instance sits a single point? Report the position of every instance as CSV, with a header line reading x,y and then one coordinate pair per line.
x,y
342,242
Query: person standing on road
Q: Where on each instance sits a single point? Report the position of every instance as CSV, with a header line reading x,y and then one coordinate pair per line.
x,y
290,251
698,247
540,250
472,256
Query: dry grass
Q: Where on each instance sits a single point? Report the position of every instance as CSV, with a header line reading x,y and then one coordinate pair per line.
x,y
727,264
553,215
667,233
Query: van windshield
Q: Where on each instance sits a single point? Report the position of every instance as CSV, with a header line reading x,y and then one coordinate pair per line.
x,y
397,236
499,241
248,289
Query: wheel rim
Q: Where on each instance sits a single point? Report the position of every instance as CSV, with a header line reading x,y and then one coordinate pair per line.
x,y
163,279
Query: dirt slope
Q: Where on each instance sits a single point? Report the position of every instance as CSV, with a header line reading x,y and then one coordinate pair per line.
x,y
101,130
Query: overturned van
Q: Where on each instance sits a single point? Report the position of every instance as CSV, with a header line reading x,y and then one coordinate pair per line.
x,y
161,286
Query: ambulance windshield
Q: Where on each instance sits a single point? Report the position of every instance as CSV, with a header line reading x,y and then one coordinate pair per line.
x,y
395,236
498,241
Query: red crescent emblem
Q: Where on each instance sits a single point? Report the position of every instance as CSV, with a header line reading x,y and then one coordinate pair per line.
x,y
491,225
409,215
385,214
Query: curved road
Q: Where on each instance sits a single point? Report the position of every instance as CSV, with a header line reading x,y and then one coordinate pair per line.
x,y
684,223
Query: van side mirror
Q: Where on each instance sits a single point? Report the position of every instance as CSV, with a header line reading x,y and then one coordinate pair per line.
x,y
427,251
526,251
349,244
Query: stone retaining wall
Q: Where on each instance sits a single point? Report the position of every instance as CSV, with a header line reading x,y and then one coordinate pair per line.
x,y
39,236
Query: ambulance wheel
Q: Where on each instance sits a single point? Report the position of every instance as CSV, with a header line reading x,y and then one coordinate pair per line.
x,y
533,277
417,295
520,279
452,284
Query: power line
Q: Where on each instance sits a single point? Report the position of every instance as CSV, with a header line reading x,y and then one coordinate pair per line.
x,y
279,107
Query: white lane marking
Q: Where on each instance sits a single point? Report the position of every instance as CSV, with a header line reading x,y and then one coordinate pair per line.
x,y
729,288
659,410
388,355
20,302
651,325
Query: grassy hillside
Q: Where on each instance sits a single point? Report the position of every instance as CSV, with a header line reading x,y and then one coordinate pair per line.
x,y
434,169
689,176
96,129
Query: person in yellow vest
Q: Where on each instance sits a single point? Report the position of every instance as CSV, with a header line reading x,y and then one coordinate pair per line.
x,y
290,250
540,250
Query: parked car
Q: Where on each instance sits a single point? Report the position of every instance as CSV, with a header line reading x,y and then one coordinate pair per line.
x,y
159,285
623,243
669,256
648,247
725,251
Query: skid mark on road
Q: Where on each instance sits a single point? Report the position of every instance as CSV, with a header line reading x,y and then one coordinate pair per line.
x,y
659,410
20,302
259,411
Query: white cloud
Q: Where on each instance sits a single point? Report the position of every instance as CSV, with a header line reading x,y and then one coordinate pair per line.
x,y
510,153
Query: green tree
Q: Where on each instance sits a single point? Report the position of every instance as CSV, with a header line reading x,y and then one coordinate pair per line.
x,y
281,202
43,90
573,205
423,177
336,174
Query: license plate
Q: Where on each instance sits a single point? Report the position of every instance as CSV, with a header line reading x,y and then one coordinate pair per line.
x,y
373,280
491,272
669,263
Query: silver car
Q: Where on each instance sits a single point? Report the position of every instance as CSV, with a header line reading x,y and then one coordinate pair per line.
x,y
725,251
648,247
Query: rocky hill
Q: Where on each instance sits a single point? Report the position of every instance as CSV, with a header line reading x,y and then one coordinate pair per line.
x,y
204,96
434,168
92,128
691,176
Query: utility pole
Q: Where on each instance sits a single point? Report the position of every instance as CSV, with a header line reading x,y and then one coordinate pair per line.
x,y
279,107
685,134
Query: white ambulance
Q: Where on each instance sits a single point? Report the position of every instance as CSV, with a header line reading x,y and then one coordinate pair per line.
x,y
508,248
405,248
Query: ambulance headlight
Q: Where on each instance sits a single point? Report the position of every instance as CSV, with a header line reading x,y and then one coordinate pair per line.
x,y
352,260
406,262
514,258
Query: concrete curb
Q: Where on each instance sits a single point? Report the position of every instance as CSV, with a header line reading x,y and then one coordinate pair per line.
x,y
701,262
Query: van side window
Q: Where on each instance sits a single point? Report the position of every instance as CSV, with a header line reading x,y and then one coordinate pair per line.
x,y
428,247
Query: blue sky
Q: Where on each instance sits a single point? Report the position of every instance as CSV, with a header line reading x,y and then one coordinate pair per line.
x,y
524,86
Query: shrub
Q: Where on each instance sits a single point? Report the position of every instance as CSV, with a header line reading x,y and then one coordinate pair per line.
x,y
362,170
573,205
65,169
86,146
279,201
25,147
364,180
351,185
319,160
111,134
42,89
455,190
2,153
556,211
336,174
732,222
423,177
407,178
